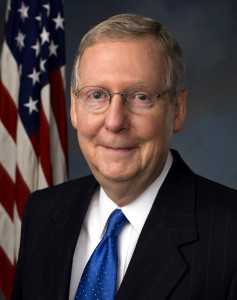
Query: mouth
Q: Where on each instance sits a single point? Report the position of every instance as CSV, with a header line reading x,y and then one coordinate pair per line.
x,y
119,149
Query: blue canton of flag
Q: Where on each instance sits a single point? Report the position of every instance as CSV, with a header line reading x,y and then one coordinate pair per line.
x,y
38,28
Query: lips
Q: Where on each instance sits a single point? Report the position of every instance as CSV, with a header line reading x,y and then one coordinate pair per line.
x,y
120,149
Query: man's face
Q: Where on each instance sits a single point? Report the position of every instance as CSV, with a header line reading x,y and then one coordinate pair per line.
x,y
121,146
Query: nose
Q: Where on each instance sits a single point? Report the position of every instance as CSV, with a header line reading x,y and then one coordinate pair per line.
x,y
117,115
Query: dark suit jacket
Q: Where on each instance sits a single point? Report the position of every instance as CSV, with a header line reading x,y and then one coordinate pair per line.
x,y
187,248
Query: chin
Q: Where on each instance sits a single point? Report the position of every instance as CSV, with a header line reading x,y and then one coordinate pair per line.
x,y
120,175
117,177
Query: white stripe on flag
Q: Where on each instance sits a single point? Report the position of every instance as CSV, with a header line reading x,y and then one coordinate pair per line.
x,y
8,149
45,101
42,183
17,228
6,234
27,160
59,171
8,63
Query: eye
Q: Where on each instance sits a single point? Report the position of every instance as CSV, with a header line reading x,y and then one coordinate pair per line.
x,y
94,98
96,95
93,94
141,97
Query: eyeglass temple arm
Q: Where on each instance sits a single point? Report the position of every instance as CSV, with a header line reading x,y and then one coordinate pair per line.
x,y
162,94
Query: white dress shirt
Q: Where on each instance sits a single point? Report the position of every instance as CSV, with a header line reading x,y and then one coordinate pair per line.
x,y
95,224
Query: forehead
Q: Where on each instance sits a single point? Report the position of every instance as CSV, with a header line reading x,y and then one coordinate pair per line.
x,y
137,59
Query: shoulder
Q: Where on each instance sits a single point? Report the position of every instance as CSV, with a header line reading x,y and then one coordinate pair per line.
x,y
217,204
215,191
71,185
48,198
54,202
63,189
207,191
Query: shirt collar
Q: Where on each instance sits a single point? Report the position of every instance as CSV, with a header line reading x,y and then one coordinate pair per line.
x,y
137,211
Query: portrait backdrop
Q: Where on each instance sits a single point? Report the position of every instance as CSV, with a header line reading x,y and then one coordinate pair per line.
x,y
206,31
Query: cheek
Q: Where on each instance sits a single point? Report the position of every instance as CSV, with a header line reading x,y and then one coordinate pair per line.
x,y
158,126
87,124
88,128
157,133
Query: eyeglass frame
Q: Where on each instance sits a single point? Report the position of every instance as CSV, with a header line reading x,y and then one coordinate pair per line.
x,y
119,93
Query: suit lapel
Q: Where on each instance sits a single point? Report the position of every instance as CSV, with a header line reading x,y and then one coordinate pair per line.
x,y
65,224
157,264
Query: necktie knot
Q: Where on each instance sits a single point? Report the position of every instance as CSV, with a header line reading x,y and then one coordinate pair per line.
x,y
115,224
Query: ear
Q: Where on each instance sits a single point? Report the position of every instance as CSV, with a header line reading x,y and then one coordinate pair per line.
x,y
180,110
73,109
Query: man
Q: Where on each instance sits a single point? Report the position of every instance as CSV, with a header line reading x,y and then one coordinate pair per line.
x,y
179,240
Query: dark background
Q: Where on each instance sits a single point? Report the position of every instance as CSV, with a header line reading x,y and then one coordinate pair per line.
x,y
207,33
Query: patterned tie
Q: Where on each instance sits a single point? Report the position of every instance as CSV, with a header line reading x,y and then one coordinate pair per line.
x,y
99,277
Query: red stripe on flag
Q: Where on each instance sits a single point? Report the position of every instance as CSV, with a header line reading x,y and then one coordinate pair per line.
x,y
7,192
6,278
58,106
8,111
41,144
22,192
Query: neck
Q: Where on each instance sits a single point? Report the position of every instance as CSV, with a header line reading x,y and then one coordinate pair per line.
x,y
120,195
124,192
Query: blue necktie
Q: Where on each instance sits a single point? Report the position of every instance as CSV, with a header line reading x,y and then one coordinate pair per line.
x,y
99,277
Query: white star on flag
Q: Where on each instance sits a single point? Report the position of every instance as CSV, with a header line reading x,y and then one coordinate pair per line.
x,y
59,21
35,76
20,40
42,66
53,49
32,105
44,36
47,6
36,47
23,11
39,18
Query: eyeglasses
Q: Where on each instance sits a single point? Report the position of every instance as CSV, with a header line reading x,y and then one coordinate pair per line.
x,y
137,98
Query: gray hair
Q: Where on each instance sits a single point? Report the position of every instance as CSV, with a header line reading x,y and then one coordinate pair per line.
x,y
127,27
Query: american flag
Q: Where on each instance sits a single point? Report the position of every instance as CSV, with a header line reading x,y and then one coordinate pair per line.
x,y
33,142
